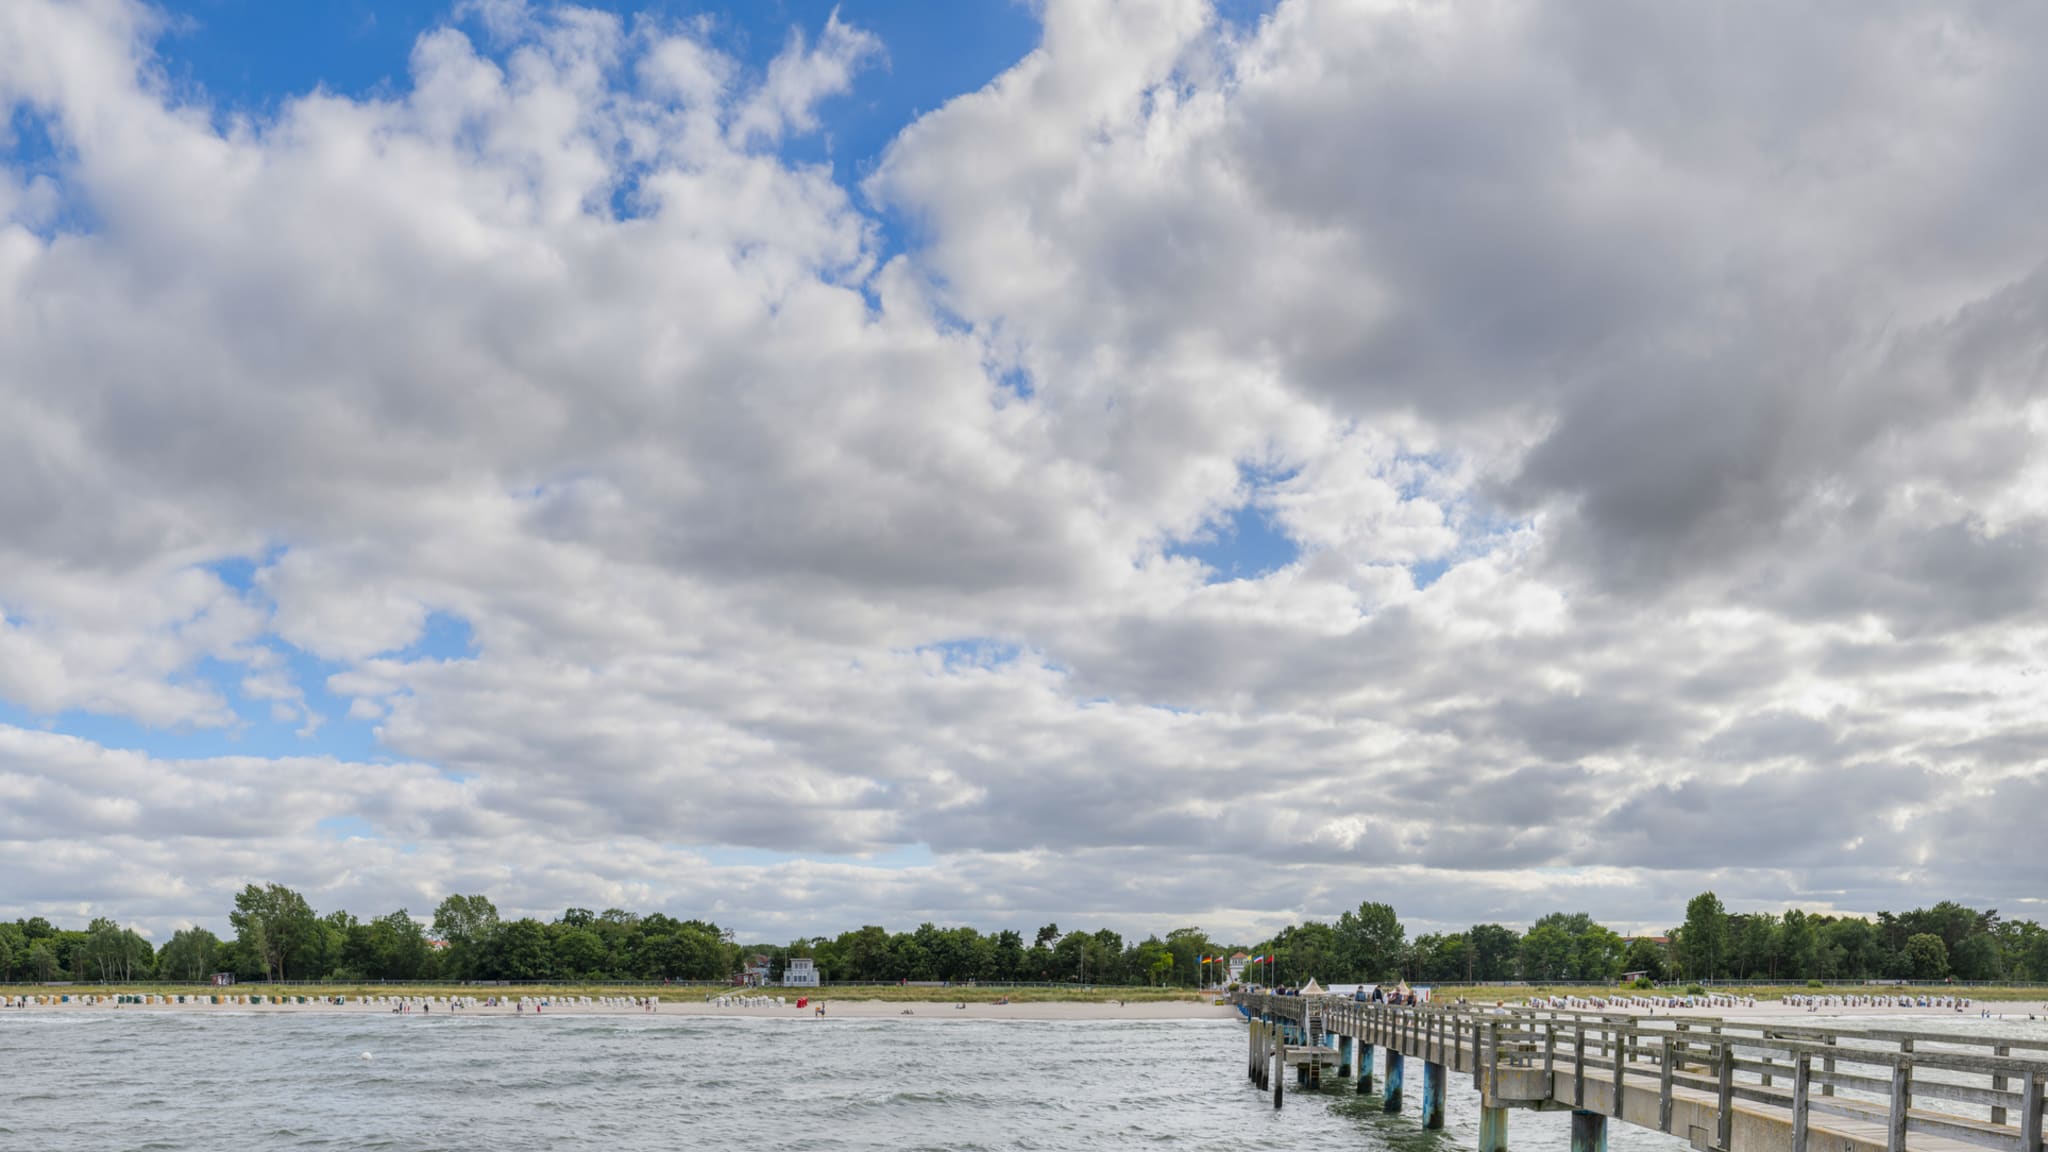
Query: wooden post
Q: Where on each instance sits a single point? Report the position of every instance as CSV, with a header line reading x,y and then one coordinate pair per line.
x,y
1827,1064
1493,1129
1433,1076
1620,1067
1589,1132
1670,1053
1479,1051
1999,1084
1391,1096
2030,1113
1725,1122
1802,1087
1902,1103
1549,1059
1766,1074
1579,1066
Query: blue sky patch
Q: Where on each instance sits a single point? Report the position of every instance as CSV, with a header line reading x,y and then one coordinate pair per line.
x,y
444,636
1245,545
348,828
973,652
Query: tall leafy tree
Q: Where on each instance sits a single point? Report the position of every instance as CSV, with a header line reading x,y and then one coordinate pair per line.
x,y
275,924
188,956
465,924
1703,943
1800,945
1926,956
1370,942
1494,950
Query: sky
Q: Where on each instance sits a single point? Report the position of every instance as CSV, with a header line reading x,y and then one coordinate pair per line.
x,y
1128,463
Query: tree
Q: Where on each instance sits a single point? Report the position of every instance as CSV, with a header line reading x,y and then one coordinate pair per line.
x,y
579,952
1369,943
188,956
686,950
398,947
1851,947
1596,954
1008,954
1188,946
1800,946
42,960
1926,956
1494,950
1753,945
1976,957
465,924
1704,939
275,924
519,951
2037,956
1646,956
1547,952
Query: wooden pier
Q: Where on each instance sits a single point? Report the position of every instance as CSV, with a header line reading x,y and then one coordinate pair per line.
x,y
1723,1085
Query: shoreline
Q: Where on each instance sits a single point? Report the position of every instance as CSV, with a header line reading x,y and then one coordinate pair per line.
x,y
866,1009
1055,1010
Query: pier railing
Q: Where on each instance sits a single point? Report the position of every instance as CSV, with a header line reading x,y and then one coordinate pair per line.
x,y
1723,1083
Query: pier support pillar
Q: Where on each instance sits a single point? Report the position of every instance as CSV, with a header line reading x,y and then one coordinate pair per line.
x,y
1589,1132
1493,1129
1343,1056
1392,1093
1433,1078
1365,1058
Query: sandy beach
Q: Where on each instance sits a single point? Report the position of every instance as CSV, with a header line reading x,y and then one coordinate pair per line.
x,y
864,1009
958,1010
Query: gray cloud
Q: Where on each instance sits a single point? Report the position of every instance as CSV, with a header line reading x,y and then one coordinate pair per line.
x,y
1653,397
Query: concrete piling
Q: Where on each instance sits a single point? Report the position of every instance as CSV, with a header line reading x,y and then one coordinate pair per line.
x,y
1391,1096
1434,1076
1493,1129
1589,1131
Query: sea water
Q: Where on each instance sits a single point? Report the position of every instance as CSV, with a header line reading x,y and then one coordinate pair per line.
x,y
166,1080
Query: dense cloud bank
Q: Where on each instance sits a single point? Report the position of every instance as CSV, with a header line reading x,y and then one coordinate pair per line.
x,y
1649,402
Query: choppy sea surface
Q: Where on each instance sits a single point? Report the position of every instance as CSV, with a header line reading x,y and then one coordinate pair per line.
x,y
114,1080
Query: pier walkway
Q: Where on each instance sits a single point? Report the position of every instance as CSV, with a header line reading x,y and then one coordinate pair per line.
x,y
1723,1085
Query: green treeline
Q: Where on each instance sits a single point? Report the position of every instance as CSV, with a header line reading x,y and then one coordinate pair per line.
x,y
1947,940
277,935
